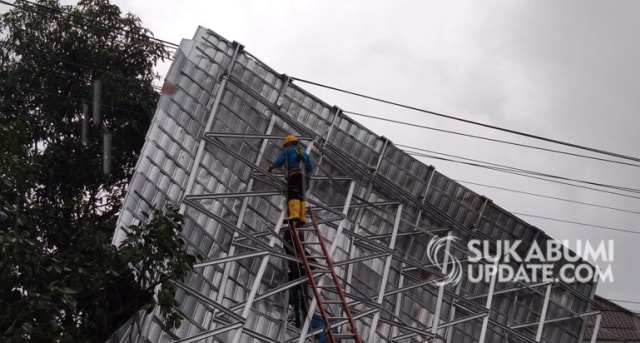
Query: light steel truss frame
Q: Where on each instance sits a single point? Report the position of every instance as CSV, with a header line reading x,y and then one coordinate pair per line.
x,y
214,133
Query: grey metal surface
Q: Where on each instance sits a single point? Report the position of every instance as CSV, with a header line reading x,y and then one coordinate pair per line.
x,y
232,208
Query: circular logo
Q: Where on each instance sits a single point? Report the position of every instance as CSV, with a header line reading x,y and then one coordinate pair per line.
x,y
452,268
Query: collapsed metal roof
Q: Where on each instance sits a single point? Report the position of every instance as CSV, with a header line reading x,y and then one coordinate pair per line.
x,y
220,121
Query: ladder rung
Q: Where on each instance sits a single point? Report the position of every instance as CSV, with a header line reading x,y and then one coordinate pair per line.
x,y
327,286
306,229
322,271
316,256
311,243
343,335
332,302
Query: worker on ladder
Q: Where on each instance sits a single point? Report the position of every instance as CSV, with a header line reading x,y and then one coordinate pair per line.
x,y
298,166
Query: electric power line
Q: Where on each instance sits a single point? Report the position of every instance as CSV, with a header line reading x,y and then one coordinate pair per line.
x,y
524,173
520,170
490,139
624,301
578,223
548,197
516,172
494,127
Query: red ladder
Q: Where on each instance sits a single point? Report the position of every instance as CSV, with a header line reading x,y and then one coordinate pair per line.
x,y
326,318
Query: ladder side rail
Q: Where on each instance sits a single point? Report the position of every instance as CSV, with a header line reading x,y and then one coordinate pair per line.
x,y
336,281
312,281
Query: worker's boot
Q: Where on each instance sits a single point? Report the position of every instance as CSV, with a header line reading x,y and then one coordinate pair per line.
x,y
294,211
303,214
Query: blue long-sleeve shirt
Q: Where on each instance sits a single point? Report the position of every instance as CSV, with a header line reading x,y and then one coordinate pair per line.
x,y
289,156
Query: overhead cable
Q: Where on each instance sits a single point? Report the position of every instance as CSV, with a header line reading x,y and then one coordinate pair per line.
x,y
547,196
578,223
494,127
510,171
519,171
623,301
491,139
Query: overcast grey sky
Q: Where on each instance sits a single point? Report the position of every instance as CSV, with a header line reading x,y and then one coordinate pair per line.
x,y
562,69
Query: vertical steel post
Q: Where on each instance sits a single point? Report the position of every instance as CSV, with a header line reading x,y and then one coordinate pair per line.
x,y
218,98
509,318
385,272
245,201
583,328
361,212
452,315
445,262
195,167
543,314
492,286
336,114
332,250
430,171
596,328
481,212
356,227
398,306
243,208
257,281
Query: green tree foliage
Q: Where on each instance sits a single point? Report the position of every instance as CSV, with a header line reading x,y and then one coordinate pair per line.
x,y
52,56
60,277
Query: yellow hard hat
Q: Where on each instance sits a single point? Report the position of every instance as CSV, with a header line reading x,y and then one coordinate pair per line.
x,y
289,139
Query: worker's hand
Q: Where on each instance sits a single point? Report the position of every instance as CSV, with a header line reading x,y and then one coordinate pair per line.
x,y
269,168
